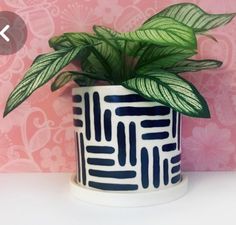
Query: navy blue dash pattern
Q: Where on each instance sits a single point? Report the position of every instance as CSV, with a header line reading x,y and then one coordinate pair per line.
x,y
132,143
124,98
113,187
78,156
175,169
155,123
87,116
77,110
77,98
174,119
154,136
97,116
176,159
83,165
169,147
166,171
121,143
78,123
100,149
107,124
176,179
100,162
113,174
141,111
156,167
144,167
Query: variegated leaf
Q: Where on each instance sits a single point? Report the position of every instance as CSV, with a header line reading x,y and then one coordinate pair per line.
x,y
80,38
108,35
164,32
163,57
132,48
171,90
194,65
63,78
59,42
194,17
43,69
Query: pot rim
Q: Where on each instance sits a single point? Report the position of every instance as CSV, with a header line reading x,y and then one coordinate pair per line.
x,y
98,88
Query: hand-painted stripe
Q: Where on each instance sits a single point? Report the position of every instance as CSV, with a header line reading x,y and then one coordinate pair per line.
x,y
174,118
144,167
87,116
169,147
83,158
176,159
113,174
97,116
154,136
156,167
76,98
100,149
132,143
179,132
107,125
166,171
78,123
124,98
176,179
113,187
78,157
155,123
101,162
141,111
175,169
121,143
77,111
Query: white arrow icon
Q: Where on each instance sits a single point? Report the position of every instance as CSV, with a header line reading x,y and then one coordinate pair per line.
x,y
2,33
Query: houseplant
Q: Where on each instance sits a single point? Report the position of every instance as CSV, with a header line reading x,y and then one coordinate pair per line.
x,y
128,134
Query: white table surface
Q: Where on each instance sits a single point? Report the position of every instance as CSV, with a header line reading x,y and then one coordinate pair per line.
x,y
44,199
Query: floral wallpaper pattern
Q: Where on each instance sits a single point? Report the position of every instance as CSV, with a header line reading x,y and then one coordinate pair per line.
x,y
38,135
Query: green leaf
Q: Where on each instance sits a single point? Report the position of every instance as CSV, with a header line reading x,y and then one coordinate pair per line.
x,y
164,32
170,90
194,65
43,69
194,17
135,48
104,59
82,79
109,36
112,38
59,42
62,79
162,57
111,48
80,38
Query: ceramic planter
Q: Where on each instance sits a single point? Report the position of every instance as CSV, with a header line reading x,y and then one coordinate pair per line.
x,y
128,148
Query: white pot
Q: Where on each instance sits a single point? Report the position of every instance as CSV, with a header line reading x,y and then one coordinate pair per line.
x,y
128,148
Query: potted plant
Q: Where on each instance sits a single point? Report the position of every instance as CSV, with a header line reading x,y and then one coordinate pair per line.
x,y
127,132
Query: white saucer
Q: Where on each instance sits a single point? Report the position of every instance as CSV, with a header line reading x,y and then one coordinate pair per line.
x,y
129,199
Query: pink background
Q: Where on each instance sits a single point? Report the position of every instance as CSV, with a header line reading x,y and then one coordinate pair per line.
x,y
38,136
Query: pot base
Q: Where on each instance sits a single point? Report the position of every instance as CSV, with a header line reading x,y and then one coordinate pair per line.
x,y
134,199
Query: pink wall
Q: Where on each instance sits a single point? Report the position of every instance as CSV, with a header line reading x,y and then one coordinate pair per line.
x,y
38,136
